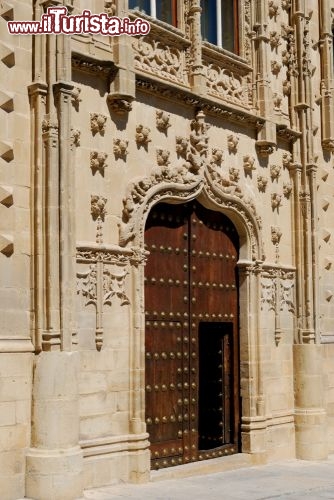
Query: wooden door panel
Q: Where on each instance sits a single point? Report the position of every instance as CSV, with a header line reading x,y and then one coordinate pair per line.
x,y
191,327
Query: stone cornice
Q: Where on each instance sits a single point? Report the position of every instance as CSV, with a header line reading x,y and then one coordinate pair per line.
x,y
230,113
93,65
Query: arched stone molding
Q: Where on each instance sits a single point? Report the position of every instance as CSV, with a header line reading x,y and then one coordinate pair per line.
x,y
178,185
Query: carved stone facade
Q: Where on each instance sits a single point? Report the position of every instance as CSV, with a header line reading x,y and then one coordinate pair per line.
x,y
107,128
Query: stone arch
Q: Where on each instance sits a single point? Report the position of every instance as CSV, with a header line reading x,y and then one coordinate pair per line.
x,y
178,185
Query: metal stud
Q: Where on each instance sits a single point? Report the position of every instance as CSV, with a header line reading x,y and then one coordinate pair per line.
x,y
156,387
164,420
148,421
156,420
148,388
172,355
164,387
164,355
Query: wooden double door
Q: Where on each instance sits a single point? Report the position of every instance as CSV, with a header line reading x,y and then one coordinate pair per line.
x,y
191,334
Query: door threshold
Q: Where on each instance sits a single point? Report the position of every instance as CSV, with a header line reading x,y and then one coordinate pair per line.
x,y
203,467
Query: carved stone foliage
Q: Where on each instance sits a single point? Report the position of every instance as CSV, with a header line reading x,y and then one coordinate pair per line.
x,y
98,207
277,294
217,156
75,137
163,157
102,282
98,161
98,123
120,148
162,121
273,8
142,135
262,183
198,142
277,100
76,99
226,85
248,27
275,172
264,148
232,143
159,58
287,189
275,39
275,67
120,105
276,234
185,180
181,146
287,159
248,164
276,201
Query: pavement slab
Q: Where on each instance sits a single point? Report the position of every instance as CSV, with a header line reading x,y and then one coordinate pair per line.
x,y
292,480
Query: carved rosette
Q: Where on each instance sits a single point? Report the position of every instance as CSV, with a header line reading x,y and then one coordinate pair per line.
x,y
287,189
262,183
163,157
275,172
142,135
276,201
232,143
98,123
249,164
98,161
181,146
120,148
217,156
162,121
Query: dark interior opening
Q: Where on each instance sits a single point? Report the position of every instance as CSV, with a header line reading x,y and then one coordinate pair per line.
x,y
215,426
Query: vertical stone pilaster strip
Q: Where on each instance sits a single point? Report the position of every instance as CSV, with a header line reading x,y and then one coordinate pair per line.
x,y
63,94
253,423
197,79
266,138
54,461
37,94
327,76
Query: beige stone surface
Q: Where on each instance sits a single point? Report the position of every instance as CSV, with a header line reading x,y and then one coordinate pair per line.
x,y
94,132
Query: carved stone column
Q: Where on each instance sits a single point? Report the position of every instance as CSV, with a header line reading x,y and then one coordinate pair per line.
x,y
327,83
310,415
54,460
266,139
197,73
253,419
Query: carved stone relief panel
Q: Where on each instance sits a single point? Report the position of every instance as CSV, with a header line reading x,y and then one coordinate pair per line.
x,y
163,58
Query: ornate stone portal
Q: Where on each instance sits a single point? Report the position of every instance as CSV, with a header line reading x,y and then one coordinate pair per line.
x,y
108,128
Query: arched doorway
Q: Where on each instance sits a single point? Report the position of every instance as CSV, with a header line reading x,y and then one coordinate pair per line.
x,y
191,334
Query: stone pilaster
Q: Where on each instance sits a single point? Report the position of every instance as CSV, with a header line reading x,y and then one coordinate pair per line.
x,y
54,461
310,415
